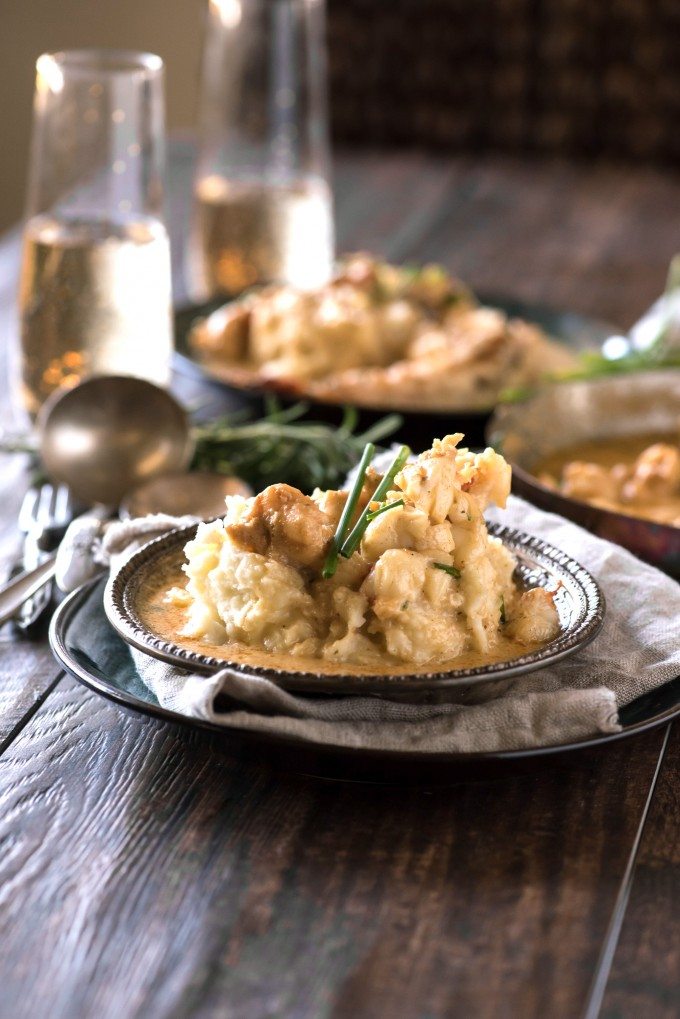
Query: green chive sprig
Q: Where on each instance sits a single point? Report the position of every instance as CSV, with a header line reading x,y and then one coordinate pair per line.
x,y
383,509
453,571
351,543
331,564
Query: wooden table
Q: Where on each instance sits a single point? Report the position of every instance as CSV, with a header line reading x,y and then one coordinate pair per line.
x,y
149,871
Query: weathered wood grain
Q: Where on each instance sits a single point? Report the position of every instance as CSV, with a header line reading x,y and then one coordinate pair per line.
x,y
144,871
645,974
151,872
597,240
27,669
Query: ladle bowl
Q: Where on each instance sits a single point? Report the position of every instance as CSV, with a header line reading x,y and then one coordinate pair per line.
x,y
111,433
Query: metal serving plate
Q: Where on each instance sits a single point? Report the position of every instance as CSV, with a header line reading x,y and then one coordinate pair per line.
x,y
90,650
578,332
561,415
579,601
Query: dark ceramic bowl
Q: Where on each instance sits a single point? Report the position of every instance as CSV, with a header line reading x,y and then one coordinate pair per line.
x,y
579,601
561,415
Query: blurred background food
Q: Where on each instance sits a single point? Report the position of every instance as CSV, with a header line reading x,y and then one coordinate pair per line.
x,y
591,423
381,336
550,77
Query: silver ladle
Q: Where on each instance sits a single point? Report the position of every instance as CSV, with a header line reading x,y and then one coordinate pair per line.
x,y
111,433
109,437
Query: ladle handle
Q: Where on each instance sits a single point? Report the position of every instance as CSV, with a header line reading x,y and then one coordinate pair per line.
x,y
24,586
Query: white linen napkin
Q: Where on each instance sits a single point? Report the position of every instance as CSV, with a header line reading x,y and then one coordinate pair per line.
x,y
637,651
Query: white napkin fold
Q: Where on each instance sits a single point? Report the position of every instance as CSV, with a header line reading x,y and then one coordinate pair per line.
x,y
637,651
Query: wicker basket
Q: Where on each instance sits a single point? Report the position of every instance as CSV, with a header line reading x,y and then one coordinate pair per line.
x,y
566,77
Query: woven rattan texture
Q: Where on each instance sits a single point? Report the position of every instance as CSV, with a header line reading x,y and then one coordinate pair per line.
x,y
582,78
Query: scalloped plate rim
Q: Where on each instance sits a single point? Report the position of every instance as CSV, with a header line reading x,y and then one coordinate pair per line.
x,y
123,619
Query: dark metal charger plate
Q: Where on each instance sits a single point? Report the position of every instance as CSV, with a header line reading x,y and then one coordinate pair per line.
x,y
88,647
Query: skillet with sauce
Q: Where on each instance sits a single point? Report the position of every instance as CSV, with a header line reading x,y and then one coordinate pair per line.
x,y
639,476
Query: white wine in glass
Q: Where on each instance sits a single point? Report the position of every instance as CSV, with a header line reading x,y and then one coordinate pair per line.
x,y
95,300
252,233
263,208
95,292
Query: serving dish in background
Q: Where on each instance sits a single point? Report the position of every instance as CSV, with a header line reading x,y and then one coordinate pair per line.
x,y
565,414
578,333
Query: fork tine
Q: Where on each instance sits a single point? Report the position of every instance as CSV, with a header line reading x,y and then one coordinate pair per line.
x,y
45,512
45,504
63,506
28,510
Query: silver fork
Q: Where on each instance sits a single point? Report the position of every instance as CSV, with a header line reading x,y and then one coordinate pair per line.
x,y
45,513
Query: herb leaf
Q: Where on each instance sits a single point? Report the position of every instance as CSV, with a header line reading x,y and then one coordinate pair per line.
x,y
331,564
383,509
351,543
281,447
503,616
453,571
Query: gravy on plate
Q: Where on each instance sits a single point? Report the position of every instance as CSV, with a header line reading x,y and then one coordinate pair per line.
x,y
166,620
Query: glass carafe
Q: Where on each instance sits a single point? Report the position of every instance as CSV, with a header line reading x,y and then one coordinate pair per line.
x,y
95,291
262,198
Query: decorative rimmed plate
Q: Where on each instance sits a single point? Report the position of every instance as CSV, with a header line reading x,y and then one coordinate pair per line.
x,y
579,601
419,427
88,647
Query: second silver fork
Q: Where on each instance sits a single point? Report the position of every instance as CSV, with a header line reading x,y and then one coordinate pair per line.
x,y
45,513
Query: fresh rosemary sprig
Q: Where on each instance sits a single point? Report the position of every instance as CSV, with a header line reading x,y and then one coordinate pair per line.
x,y
331,564
453,571
281,447
351,543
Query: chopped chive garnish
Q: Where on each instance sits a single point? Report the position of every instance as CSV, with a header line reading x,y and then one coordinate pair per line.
x,y
383,509
453,571
331,564
503,618
351,543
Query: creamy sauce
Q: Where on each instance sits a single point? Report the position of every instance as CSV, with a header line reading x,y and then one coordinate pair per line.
x,y
610,453
166,620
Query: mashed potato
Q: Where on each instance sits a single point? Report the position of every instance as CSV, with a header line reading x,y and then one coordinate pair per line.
x,y
426,584
379,334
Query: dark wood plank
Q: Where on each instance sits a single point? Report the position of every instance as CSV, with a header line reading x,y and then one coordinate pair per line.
x,y
27,669
593,239
27,674
645,974
387,204
148,872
